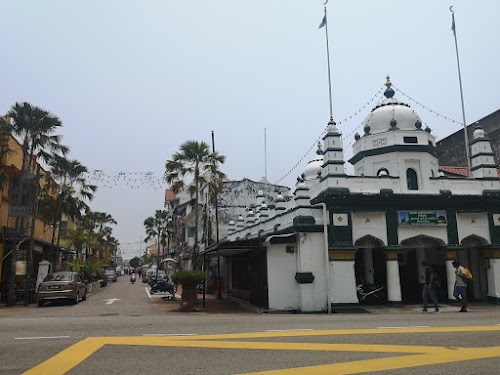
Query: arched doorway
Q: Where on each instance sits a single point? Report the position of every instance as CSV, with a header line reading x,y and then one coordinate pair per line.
x,y
370,263
471,257
412,273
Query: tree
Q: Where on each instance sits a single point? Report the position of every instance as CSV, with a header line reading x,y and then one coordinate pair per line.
x,y
135,262
194,159
158,226
68,178
35,126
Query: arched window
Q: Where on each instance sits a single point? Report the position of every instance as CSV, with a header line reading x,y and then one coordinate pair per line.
x,y
382,172
411,179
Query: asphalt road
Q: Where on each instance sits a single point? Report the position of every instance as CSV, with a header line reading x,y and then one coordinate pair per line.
x,y
121,329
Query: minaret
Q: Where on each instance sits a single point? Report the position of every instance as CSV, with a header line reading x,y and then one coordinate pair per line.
x,y
482,156
333,154
302,197
280,204
250,218
240,223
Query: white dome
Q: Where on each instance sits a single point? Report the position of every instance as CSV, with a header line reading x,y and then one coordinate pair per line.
x,y
478,132
313,168
391,114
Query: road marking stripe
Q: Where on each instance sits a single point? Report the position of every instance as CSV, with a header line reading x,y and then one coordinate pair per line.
x,y
403,327
170,334
289,330
147,291
64,361
41,337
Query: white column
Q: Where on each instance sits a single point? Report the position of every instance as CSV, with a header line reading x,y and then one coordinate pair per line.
x,y
420,268
493,273
393,281
450,278
368,266
343,281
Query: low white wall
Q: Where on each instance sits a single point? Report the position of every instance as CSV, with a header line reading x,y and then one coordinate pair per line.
x,y
283,291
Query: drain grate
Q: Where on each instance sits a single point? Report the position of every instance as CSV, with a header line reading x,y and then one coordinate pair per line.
x,y
109,314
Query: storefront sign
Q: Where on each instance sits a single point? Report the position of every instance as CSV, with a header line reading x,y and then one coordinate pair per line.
x,y
423,218
20,268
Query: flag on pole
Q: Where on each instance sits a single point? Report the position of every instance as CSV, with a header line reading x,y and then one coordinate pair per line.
x,y
323,22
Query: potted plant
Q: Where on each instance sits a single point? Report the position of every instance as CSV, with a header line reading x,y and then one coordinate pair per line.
x,y
189,281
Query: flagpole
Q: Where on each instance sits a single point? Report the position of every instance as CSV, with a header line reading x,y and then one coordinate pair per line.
x,y
328,61
467,151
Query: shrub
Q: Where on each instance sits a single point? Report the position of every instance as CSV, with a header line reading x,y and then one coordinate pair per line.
x,y
188,277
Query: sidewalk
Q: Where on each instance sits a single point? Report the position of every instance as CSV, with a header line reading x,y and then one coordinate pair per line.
x,y
213,305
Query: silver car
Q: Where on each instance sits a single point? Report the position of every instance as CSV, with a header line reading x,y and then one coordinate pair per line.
x,y
62,285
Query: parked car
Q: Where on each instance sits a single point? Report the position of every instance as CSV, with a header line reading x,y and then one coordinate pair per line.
x,y
111,275
62,285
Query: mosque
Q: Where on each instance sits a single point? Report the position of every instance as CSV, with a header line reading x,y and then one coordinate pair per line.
x,y
308,252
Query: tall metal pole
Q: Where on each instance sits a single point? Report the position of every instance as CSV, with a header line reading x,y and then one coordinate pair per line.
x,y
325,23
219,286
466,137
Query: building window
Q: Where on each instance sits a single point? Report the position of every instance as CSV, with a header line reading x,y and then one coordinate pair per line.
x,y
382,172
410,140
411,179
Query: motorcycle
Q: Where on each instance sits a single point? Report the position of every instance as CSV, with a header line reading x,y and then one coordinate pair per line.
x,y
164,286
370,293
132,278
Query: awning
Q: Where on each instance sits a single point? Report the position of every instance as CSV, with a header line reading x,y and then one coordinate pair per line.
x,y
280,238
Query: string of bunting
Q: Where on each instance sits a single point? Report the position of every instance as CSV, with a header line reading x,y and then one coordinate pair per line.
x,y
133,180
361,123
427,108
359,111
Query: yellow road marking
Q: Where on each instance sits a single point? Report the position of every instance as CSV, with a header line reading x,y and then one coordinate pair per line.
x,y
421,355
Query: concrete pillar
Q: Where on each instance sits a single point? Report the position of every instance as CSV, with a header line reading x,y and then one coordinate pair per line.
x,y
368,266
450,256
342,277
393,279
492,257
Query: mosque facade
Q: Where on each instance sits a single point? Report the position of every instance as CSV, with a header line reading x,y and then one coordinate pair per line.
x,y
310,251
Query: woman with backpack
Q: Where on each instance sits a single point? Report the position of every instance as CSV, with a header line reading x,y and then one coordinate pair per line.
x,y
460,289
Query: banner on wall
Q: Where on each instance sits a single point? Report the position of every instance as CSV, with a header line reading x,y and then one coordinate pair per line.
x,y
423,218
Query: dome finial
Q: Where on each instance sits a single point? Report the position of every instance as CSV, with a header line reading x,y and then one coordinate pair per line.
x,y
388,83
389,92
319,151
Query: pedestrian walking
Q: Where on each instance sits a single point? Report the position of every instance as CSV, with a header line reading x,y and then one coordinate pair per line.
x,y
460,289
428,289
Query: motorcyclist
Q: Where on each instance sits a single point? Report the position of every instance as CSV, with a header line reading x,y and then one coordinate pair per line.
x,y
132,277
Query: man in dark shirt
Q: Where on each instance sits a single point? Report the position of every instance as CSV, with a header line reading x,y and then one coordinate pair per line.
x,y
428,290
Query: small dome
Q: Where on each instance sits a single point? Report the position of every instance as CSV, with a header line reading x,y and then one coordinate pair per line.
x,y
478,131
389,113
313,168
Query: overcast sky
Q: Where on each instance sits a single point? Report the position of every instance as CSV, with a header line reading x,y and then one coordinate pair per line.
x,y
132,80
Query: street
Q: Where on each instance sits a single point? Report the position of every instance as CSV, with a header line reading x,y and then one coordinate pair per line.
x,y
121,329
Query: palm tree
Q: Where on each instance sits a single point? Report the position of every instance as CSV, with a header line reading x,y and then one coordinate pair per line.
x,y
197,160
98,224
158,226
35,126
73,192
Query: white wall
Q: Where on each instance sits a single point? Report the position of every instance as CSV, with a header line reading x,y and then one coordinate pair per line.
x,y
372,223
311,251
469,224
282,288
409,231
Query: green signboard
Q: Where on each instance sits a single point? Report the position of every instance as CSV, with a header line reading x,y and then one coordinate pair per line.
x,y
423,218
